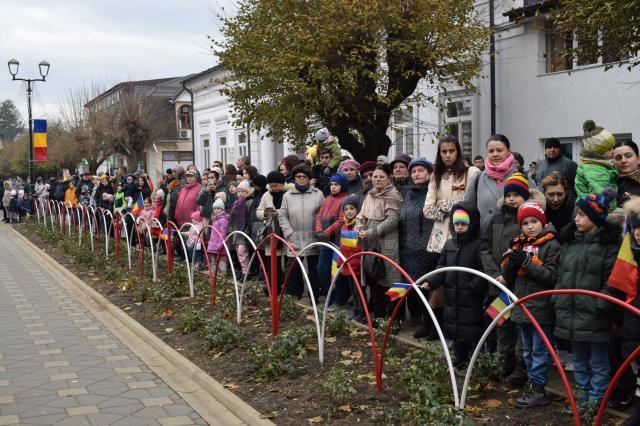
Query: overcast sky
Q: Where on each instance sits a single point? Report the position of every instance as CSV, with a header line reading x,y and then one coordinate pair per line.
x,y
103,42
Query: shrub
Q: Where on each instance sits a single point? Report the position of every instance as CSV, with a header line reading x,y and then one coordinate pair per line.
x,y
337,324
427,383
221,335
336,389
144,291
190,320
487,366
289,309
282,355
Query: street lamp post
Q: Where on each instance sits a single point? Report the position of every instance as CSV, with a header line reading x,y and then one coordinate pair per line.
x,y
44,71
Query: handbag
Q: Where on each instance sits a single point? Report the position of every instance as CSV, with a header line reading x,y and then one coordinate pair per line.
x,y
373,266
263,232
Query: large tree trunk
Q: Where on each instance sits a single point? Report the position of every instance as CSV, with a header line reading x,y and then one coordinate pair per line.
x,y
376,142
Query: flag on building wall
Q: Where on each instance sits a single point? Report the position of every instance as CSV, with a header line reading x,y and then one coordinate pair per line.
x,y
40,140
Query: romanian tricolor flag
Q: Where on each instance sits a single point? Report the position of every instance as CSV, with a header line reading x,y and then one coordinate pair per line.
x,y
624,275
40,140
348,238
334,264
500,302
397,290
165,234
138,205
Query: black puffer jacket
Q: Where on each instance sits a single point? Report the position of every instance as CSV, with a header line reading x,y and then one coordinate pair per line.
x,y
562,216
413,232
463,292
586,261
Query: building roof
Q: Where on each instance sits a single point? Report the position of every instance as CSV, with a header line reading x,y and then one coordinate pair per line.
x,y
193,77
158,87
169,89
531,8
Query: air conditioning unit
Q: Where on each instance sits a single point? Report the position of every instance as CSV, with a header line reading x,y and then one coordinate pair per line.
x,y
185,134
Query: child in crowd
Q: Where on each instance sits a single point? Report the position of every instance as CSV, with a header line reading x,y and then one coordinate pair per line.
x,y
70,198
463,318
530,265
119,202
85,197
596,171
220,223
239,221
349,246
14,214
193,245
502,229
327,226
586,260
232,195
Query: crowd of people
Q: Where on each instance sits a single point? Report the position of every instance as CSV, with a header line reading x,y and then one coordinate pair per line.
x,y
556,225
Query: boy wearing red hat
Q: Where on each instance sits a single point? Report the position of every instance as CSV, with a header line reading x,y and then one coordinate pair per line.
x,y
529,266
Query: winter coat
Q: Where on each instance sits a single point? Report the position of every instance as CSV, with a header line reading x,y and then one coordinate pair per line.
x,y
266,202
463,293
70,199
628,186
322,175
253,223
437,206
586,260
379,217
59,191
186,203
414,231
297,218
6,197
403,185
84,184
498,233
356,187
174,188
539,273
221,223
330,214
239,219
592,177
104,196
336,153
484,192
561,164
563,215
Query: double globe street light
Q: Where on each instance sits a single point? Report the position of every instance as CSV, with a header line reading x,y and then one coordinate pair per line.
x,y
44,71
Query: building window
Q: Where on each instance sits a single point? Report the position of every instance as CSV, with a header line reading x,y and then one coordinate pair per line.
x,y
587,50
458,122
173,158
556,43
243,148
206,152
405,131
224,150
184,117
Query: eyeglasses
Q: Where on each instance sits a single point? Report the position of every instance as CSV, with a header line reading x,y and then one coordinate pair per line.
x,y
302,177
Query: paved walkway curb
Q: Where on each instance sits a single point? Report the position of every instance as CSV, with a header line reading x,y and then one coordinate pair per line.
x,y
180,373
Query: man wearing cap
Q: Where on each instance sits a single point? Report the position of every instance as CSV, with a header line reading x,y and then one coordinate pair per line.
x,y
555,162
85,182
381,159
401,178
330,143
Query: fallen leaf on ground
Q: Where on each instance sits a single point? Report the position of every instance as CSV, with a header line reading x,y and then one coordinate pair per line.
x,y
317,419
473,409
168,330
345,408
216,356
492,403
138,303
167,312
346,362
310,318
331,339
268,415
345,353
232,387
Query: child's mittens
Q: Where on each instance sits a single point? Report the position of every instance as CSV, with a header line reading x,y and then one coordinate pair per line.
x,y
517,258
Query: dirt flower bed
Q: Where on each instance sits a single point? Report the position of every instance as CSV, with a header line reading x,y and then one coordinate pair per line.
x,y
282,378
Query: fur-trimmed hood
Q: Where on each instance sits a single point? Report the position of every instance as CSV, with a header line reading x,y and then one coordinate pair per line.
x,y
632,206
534,195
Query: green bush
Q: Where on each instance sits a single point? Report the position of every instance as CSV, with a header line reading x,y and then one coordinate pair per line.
x,y
190,320
221,335
425,379
336,389
289,309
282,355
488,366
337,325
144,291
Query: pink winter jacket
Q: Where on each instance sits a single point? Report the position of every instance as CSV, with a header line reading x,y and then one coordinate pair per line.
x,y
221,223
186,203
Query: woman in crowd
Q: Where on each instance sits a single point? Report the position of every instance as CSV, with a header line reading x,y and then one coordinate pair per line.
x,y
230,173
414,230
267,211
447,186
560,201
377,225
286,165
627,163
351,169
297,218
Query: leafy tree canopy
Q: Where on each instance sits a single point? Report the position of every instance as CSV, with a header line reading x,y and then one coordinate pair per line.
x,y
346,64
608,28
11,124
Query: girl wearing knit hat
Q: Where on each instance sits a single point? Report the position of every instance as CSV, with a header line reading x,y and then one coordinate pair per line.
x,y
219,223
351,169
586,260
238,217
596,171
530,265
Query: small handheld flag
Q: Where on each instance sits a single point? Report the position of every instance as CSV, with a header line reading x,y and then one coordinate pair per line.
x,y
397,290
334,264
348,238
40,140
499,303
624,275
138,205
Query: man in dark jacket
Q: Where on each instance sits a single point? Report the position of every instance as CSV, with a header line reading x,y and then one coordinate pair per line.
x,y
556,162
322,172
85,182
58,191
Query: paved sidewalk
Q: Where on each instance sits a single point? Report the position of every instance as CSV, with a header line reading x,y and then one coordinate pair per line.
x,y
60,365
